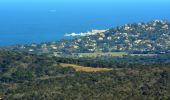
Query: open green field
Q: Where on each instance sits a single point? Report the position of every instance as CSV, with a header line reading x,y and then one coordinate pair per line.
x,y
112,54
143,54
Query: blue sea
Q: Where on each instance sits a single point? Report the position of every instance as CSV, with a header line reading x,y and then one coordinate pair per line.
x,y
35,21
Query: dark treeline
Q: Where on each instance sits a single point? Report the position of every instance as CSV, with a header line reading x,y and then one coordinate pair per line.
x,y
101,62
25,76
117,62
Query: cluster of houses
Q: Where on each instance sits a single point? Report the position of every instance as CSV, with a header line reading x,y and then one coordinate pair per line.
x,y
152,37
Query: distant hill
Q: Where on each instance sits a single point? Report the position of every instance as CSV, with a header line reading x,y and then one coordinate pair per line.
x,y
141,38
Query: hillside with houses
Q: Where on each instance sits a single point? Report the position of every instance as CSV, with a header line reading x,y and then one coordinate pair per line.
x,y
138,38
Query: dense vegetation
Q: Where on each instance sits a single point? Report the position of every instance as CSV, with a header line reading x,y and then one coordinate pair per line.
x,y
26,76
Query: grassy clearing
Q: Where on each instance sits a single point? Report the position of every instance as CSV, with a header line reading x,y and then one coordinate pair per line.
x,y
84,68
143,54
113,54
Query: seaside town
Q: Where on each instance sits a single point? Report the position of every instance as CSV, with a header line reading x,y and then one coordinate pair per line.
x,y
137,38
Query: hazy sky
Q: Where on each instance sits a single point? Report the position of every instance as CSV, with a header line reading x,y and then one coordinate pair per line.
x,y
88,1
85,3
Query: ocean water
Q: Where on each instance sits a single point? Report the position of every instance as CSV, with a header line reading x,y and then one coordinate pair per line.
x,y
23,22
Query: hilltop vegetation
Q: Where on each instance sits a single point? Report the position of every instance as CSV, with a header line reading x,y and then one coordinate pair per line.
x,y
26,76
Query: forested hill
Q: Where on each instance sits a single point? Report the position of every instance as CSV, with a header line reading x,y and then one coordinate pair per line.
x,y
150,37
26,76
